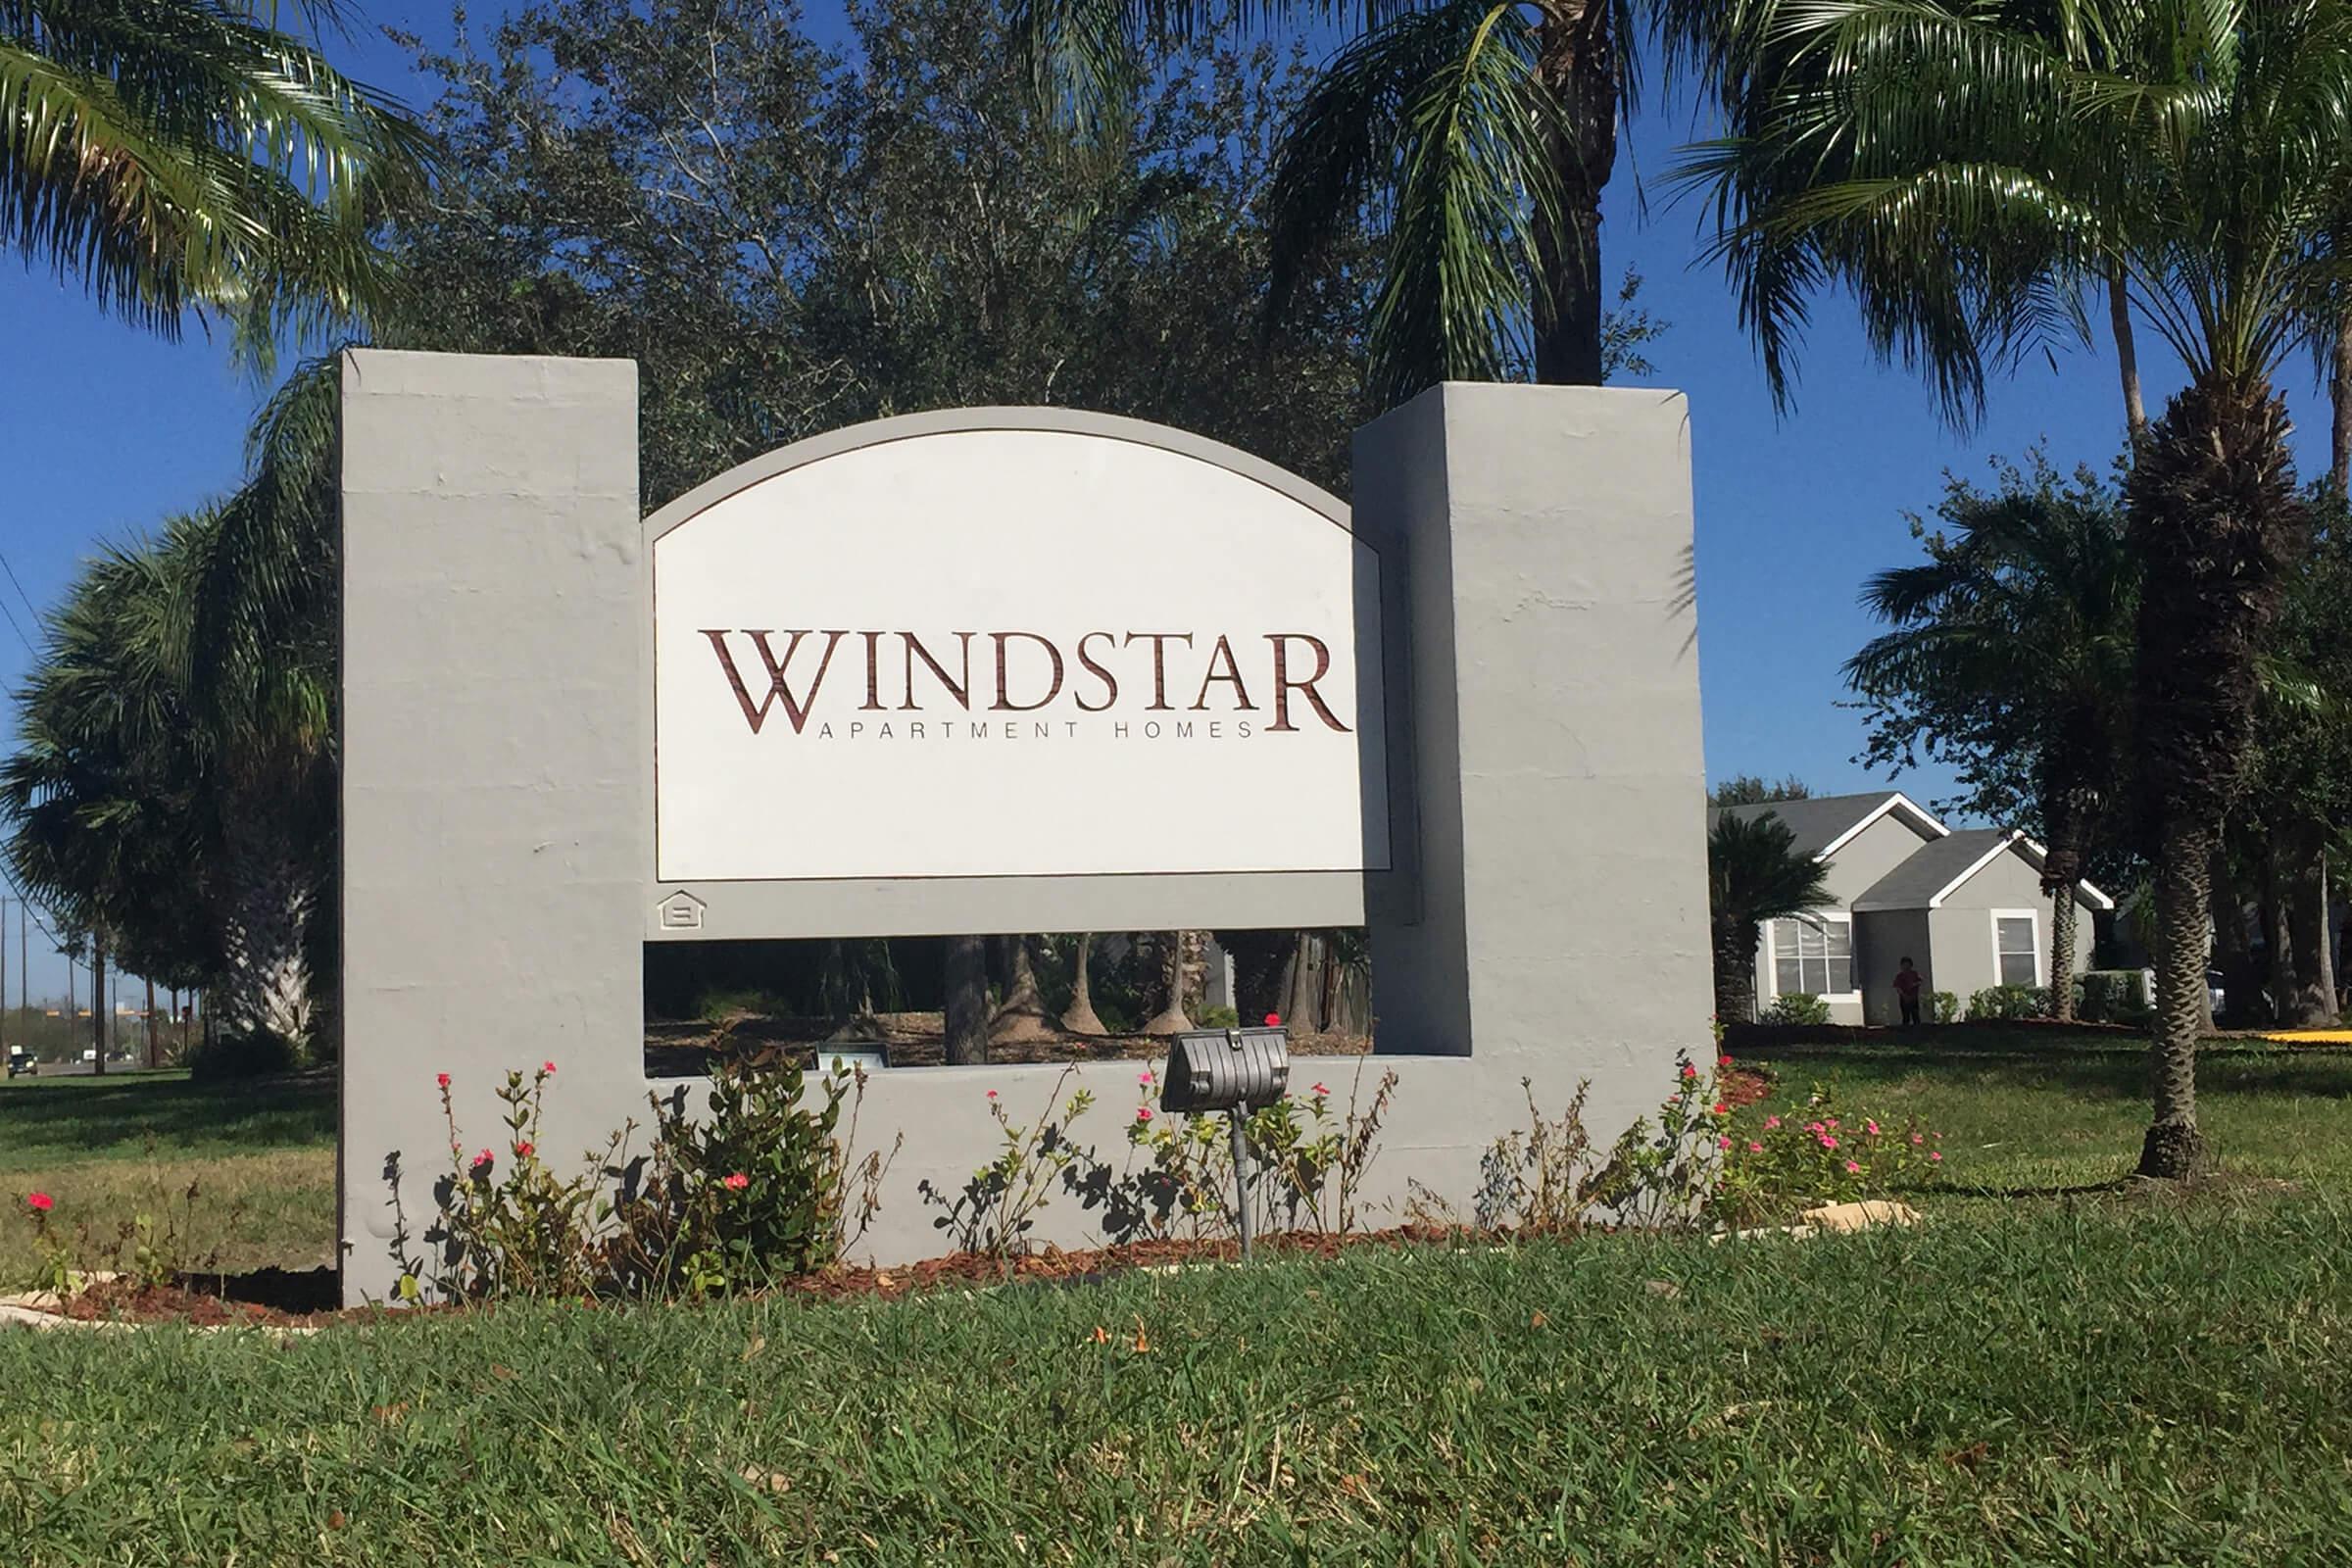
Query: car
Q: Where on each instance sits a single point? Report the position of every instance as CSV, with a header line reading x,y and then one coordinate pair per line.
x,y
19,1061
2215,995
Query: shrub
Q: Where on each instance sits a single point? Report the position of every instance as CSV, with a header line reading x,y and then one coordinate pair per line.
x,y
260,1053
1807,1155
753,1191
1797,1007
1548,1180
2115,996
2009,1001
995,1212
1217,1019
1945,1006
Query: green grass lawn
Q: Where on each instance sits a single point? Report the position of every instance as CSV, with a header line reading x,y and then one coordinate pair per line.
x,y
2065,1385
2029,1111
260,1156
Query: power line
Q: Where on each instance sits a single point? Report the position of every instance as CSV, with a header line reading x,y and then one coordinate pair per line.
x,y
30,607
13,626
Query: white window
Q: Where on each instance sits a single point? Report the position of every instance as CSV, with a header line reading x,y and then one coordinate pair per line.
x,y
1812,954
2017,946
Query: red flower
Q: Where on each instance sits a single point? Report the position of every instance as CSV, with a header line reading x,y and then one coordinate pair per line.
x,y
39,1203
524,1149
1722,1061
1143,1114
1722,1109
1689,1071
1320,1089
992,1094
481,1159
735,1183
1273,1020
443,1080
547,1067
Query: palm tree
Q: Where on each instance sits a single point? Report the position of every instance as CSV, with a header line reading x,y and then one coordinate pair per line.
x,y
1972,175
2018,634
1080,1017
187,154
1477,134
1754,873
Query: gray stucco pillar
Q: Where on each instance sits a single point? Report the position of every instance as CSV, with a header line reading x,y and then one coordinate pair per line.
x,y
1557,777
495,830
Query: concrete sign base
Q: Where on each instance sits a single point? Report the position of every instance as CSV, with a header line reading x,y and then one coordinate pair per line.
x,y
1543,916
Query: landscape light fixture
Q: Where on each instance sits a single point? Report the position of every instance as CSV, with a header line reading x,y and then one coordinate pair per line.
x,y
1229,1070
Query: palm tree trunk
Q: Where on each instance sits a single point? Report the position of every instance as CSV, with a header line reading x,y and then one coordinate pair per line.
x,y
2311,1004
1171,1018
2063,915
154,1058
1021,1018
966,1001
266,978
2279,935
98,997
1735,971
1079,1018
2127,354
2215,518
2175,1148
1576,58
2339,397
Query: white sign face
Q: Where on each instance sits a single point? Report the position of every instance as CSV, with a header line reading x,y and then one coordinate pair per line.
x,y
1014,653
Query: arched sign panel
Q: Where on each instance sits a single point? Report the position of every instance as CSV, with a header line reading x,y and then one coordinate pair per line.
x,y
1015,643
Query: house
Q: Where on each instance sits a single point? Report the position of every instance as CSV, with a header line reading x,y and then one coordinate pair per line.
x,y
1964,906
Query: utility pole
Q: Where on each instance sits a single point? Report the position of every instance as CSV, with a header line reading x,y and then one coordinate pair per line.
x,y
4,977
154,1058
98,997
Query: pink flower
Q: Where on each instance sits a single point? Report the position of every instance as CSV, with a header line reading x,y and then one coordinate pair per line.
x,y
443,1080
1723,1143
1833,1124
1689,1071
735,1183
1871,1127
525,1149
547,1067
1828,1142
1756,1149
992,1094
1813,1127
1854,1167
1722,1109
1935,1157
1771,1122
1916,1138
1144,1078
1143,1114
481,1159
1722,1061
1320,1089
39,1203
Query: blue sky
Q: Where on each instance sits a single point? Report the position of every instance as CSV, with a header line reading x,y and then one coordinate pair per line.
x,y
107,429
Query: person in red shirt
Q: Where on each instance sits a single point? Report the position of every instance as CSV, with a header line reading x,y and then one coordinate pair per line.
x,y
1907,981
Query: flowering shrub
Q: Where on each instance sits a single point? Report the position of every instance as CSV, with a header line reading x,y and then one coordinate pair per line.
x,y
152,1245
1797,1007
995,1212
56,1269
1811,1153
2009,1001
754,1190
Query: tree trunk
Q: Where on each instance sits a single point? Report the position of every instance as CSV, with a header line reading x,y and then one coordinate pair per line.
x,y
2214,516
1021,1019
98,997
2234,953
154,1058
1735,971
1170,1020
264,981
2063,915
2339,398
2277,931
2311,1000
2127,354
1576,58
2175,1148
1079,1017
966,1025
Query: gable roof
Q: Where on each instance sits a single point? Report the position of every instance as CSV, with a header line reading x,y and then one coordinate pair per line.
x,y
1938,869
1825,823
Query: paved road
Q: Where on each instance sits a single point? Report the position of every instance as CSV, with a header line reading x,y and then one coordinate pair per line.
x,y
81,1070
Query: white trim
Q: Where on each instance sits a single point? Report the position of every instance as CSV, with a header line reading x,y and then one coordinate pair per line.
x,y
2040,856
2041,953
2036,856
2000,847
1768,989
1898,799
